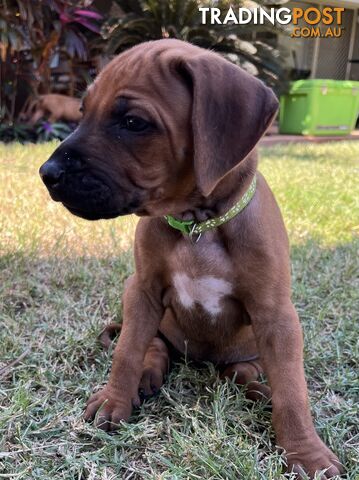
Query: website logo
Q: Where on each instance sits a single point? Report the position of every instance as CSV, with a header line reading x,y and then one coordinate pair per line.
x,y
306,22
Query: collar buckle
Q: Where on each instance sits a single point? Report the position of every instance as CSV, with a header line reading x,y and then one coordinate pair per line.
x,y
193,235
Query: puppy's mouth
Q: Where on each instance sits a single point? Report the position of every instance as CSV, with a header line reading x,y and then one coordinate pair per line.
x,y
89,197
92,214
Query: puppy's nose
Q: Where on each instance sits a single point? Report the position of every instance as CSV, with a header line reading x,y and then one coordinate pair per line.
x,y
52,173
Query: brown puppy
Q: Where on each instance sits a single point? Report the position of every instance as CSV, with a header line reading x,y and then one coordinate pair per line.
x,y
169,128
52,106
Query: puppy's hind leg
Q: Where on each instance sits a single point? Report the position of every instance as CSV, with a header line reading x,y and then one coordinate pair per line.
x,y
247,373
155,365
155,368
108,334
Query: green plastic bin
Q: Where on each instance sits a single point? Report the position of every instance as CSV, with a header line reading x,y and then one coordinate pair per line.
x,y
319,107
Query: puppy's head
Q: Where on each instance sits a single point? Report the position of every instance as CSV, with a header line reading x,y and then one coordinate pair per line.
x,y
162,125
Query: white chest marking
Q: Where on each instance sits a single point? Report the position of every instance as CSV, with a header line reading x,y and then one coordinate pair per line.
x,y
206,291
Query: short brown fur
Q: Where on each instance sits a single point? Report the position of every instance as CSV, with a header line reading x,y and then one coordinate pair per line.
x,y
209,115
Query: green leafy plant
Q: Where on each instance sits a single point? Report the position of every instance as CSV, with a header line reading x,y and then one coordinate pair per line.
x,y
17,132
254,47
41,132
36,36
48,131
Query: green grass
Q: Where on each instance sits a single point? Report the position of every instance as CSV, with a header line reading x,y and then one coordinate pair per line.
x,y
60,283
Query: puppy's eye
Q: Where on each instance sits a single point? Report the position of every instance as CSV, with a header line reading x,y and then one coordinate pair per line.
x,y
134,124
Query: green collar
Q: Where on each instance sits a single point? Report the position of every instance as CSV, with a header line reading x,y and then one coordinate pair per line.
x,y
190,227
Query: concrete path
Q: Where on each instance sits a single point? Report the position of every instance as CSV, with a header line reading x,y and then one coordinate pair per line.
x,y
275,138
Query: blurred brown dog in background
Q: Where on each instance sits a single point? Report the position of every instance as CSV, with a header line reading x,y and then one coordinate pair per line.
x,y
52,107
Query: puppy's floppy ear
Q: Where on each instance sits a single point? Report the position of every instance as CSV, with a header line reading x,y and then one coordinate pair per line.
x,y
231,111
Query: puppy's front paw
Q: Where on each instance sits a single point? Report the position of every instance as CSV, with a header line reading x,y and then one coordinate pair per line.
x,y
313,459
108,407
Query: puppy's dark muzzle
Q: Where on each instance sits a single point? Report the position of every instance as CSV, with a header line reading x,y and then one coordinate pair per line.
x,y
82,190
62,164
52,174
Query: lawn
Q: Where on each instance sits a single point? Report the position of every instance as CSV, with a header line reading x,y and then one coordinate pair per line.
x,y
60,282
